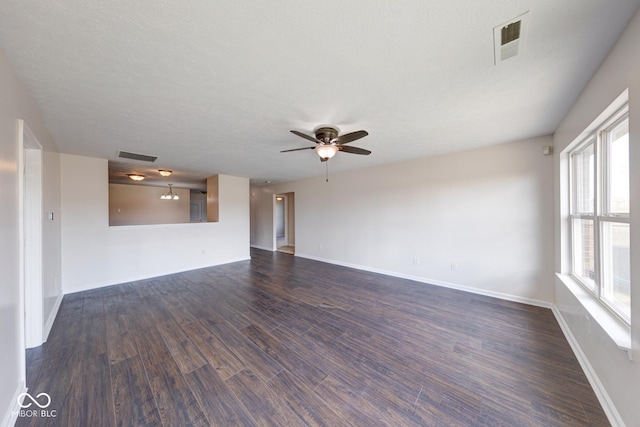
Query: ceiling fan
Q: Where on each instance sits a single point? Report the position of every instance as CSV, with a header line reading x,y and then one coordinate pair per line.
x,y
328,143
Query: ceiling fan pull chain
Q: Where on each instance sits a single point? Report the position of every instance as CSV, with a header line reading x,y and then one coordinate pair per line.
x,y
326,171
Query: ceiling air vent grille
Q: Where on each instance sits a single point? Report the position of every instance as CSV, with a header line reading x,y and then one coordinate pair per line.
x,y
136,156
509,38
510,33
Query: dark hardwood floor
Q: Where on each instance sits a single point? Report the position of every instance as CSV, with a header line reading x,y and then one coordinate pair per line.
x,y
281,340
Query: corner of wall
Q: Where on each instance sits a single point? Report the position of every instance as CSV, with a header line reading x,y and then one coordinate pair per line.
x,y
52,317
11,415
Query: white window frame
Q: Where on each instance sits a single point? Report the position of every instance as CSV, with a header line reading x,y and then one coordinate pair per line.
x,y
601,214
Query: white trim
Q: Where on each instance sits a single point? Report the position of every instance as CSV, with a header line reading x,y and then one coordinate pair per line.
x,y
90,287
33,239
147,226
11,416
499,295
52,317
31,217
264,248
601,393
22,307
619,332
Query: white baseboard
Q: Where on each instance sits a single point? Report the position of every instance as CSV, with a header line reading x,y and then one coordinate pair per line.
x,y
11,416
52,317
601,393
499,295
264,248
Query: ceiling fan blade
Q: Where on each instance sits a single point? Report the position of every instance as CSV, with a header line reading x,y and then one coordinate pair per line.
x,y
353,150
298,149
348,137
305,136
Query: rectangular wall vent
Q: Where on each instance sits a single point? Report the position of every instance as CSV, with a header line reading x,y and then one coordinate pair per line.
x,y
135,156
510,33
509,38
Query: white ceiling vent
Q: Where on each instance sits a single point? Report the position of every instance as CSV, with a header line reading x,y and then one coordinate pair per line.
x,y
509,38
136,156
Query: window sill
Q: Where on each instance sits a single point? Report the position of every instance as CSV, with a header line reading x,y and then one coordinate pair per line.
x,y
617,330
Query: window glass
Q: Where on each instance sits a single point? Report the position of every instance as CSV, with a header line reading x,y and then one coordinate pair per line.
x,y
618,168
584,179
584,251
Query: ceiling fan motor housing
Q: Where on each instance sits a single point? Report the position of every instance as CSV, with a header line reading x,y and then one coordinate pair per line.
x,y
326,134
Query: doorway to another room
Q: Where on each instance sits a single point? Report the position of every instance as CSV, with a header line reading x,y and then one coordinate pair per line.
x,y
284,223
30,165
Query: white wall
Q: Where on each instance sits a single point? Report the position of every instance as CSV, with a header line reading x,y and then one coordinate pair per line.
x,y
94,254
489,211
15,104
619,376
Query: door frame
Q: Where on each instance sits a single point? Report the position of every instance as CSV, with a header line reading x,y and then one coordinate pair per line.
x,y
30,186
275,219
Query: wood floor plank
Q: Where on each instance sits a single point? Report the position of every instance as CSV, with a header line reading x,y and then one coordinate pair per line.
x,y
224,361
304,370
176,403
90,383
133,400
254,358
265,407
121,341
294,394
216,399
93,306
184,351
347,403
316,350
93,336
64,338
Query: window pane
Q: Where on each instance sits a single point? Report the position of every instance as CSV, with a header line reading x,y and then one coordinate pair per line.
x,y
616,266
583,179
583,251
618,168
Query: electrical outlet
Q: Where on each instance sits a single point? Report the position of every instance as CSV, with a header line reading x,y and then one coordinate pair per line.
x,y
320,246
416,260
454,266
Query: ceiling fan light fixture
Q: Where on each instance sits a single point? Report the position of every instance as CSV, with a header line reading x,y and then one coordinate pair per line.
x,y
326,151
165,172
135,176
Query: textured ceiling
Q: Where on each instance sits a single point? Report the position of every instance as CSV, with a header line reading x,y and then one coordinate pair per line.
x,y
214,87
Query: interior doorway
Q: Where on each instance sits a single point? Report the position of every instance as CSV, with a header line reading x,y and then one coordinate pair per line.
x,y
284,223
31,218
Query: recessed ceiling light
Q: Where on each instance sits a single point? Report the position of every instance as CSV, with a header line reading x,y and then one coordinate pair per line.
x,y
136,177
165,172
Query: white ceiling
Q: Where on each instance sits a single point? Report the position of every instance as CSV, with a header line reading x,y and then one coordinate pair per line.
x,y
214,87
